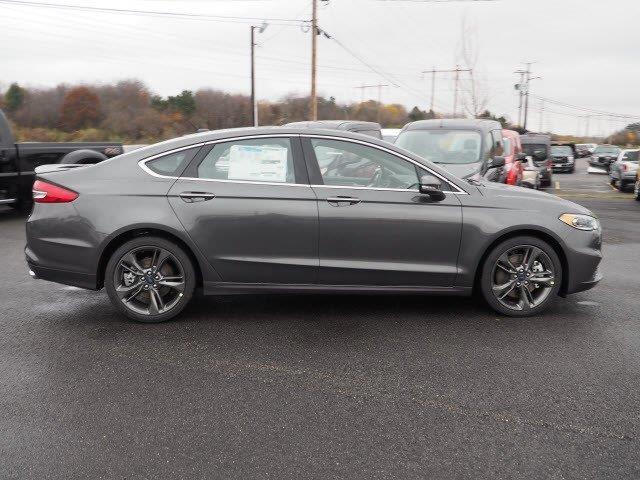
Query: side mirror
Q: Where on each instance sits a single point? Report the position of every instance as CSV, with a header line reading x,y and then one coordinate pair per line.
x,y
521,157
496,162
431,185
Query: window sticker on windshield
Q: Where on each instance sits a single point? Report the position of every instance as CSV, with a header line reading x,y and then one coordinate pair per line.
x,y
265,163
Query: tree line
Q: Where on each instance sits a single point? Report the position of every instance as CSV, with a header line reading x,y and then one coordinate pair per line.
x,y
128,111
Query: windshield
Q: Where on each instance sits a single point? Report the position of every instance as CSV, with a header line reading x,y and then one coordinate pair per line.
x,y
530,149
631,156
561,150
442,146
606,149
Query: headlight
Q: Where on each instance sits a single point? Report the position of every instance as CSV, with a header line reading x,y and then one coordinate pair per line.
x,y
581,222
570,158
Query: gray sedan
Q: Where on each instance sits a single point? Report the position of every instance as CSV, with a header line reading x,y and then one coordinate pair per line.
x,y
300,210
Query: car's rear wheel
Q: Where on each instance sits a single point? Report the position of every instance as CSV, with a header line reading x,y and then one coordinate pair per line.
x,y
521,276
150,279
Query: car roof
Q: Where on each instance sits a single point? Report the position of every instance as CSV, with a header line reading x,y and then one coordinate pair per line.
x,y
336,124
454,123
529,138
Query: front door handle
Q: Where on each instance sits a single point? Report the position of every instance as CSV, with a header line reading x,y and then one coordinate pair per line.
x,y
193,197
342,201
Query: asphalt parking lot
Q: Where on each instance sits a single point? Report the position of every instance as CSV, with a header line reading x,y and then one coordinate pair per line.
x,y
327,386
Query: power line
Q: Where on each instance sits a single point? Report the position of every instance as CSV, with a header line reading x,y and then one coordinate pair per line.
x,y
157,13
585,109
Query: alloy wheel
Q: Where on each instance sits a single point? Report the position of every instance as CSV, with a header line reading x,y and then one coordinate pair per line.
x,y
523,277
149,280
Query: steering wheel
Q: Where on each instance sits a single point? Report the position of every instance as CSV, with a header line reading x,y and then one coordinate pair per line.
x,y
377,177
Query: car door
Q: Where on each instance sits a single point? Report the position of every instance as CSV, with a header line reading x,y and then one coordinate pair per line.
x,y
375,227
248,206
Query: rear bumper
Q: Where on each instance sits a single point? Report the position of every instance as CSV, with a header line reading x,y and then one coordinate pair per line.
x,y
66,277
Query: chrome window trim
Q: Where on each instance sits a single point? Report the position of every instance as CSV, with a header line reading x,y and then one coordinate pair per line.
x,y
459,191
142,163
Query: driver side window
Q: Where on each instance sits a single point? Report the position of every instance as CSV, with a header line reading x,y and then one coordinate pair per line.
x,y
347,164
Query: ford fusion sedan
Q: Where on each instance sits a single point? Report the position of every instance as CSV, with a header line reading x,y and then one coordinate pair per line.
x,y
467,148
289,209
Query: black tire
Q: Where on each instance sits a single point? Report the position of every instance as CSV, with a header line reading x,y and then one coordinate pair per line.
x,y
542,296
621,186
177,261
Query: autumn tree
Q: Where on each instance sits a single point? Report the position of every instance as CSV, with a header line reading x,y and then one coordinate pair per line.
x,y
80,109
14,97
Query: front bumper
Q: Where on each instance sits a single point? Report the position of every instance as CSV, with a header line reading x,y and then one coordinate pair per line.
x,y
583,256
563,167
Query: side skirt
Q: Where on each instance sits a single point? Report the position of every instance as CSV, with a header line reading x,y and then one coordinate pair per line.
x,y
226,288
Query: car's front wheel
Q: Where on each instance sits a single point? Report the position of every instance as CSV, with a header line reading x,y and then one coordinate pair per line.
x,y
150,279
521,276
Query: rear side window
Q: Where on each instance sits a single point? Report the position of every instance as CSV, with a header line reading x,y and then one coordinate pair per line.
x,y
631,157
172,164
257,160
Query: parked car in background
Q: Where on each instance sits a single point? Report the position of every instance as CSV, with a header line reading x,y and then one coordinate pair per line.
x,y
585,149
161,221
530,174
603,156
538,147
513,157
390,134
366,128
19,160
563,157
470,149
623,171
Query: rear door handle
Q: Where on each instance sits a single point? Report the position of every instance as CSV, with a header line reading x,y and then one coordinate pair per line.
x,y
193,197
342,201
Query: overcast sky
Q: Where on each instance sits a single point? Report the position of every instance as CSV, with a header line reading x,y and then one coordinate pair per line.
x,y
585,51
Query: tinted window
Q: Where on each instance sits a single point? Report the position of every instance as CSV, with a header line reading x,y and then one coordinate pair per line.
x,y
256,160
442,146
351,164
172,164
535,149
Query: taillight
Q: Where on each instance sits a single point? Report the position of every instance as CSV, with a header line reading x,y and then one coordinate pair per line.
x,y
44,192
624,167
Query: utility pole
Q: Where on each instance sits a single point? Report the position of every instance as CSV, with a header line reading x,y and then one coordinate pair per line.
x,y
457,71
254,101
379,86
519,88
314,40
528,79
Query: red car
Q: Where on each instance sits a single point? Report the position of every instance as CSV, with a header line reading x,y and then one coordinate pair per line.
x,y
512,155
